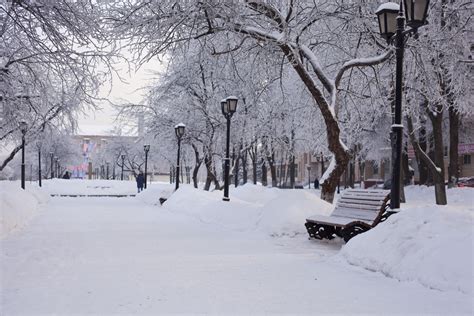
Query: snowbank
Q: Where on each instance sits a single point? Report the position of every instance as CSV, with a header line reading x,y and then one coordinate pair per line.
x,y
18,206
154,192
272,211
431,244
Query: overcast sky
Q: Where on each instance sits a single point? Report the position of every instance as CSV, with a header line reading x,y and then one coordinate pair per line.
x,y
101,121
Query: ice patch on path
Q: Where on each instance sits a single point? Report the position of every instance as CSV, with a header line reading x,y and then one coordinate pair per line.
x,y
18,206
273,211
433,245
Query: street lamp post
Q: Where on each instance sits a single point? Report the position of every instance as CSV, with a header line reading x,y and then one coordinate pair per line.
x,y
39,144
147,149
392,27
123,162
51,155
179,130
107,170
228,107
23,128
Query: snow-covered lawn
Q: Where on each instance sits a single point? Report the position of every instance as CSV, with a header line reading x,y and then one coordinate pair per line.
x,y
198,254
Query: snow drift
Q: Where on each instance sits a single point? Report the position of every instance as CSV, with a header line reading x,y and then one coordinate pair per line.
x,y
17,206
273,211
433,245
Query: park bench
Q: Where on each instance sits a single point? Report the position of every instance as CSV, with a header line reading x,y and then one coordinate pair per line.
x,y
356,212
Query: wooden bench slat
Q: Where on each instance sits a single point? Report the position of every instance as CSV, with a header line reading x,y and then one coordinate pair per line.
x,y
374,208
366,196
376,204
357,214
369,191
352,199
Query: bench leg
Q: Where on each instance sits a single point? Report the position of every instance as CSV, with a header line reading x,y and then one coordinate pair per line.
x,y
320,231
353,230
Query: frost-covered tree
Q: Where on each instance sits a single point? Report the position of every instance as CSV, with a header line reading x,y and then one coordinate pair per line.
x,y
50,54
439,75
299,31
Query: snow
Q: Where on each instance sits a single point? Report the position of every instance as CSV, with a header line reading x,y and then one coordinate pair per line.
x,y
196,254
433,246
18,206
388,6
332,165
272,211
90,187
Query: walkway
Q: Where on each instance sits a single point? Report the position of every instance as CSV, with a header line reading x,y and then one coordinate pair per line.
x,y
114,255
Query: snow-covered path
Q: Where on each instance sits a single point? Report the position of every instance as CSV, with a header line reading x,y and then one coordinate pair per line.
x,y
109,256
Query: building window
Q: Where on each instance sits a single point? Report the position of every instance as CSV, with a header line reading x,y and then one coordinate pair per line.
x,y
467,159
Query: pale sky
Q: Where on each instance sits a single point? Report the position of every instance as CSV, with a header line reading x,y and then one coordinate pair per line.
x,y
101,121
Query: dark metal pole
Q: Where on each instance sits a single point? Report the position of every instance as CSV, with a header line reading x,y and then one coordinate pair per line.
x,y
39,166
397,127
107,171
227,163
23,161
146,165
177,164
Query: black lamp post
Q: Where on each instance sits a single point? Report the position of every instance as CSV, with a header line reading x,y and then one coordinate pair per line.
x,y
23,128
107,170
123,162
228,107
179,130
147,149
392,27
39,144
51,155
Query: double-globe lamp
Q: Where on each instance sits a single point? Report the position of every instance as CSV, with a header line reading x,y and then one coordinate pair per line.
x,y
392,27
179,131
228,107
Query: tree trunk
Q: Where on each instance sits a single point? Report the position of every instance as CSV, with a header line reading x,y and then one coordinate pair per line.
x,y
440,189
438,174
244,167
422,167
351,174
237,167
453,168
264,173
292,171
210,177
217,186
253,158
341,155
271,163
197,165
